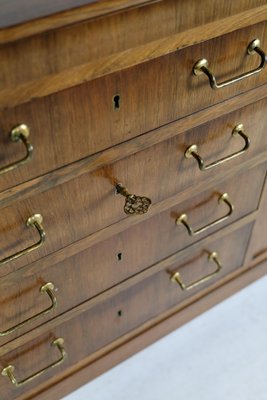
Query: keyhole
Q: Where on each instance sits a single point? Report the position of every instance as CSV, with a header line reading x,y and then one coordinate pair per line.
x,y
120,313
116,101
119,256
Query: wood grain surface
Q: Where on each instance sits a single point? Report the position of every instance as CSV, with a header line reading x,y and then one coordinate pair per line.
x,y
138,339
258,244
108,92
165,263
125,311
71,214
47,15
92,271
122,225
24,79
13,13
214,140
116,152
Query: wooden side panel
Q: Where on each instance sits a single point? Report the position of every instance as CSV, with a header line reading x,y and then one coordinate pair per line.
x,y
258,245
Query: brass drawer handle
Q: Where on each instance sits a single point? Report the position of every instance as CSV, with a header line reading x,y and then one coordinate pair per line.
x,y
19,133
9,370
176,278
182,219
192,151
134,205
48,289
33,221
201,66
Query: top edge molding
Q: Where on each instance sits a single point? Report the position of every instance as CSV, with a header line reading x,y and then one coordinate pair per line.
x,y
25,18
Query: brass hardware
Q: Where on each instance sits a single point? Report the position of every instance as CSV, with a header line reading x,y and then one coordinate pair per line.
x,y
176,278
33,221
19,133
133,204
192,151
48,289
182,219
201,66
9,370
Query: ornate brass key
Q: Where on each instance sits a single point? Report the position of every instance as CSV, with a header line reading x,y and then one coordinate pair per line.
x,y
133,204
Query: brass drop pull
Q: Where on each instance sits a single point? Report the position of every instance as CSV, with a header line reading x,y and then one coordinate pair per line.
x,y
201,66
19,133
192,151
133,204
48,289
176,278
36,222
182,219
9,370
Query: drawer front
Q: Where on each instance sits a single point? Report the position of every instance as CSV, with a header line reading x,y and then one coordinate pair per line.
x,y
90,40
69,214
80,121
118,315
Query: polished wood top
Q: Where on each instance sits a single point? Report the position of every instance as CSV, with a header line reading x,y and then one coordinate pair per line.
x,y
13,12
24,18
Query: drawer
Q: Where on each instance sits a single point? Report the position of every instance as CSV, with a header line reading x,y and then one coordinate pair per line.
x,y
114,316
90,40
71,213
85,119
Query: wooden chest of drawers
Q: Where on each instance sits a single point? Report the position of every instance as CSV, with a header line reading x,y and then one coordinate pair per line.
x,y
132,180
